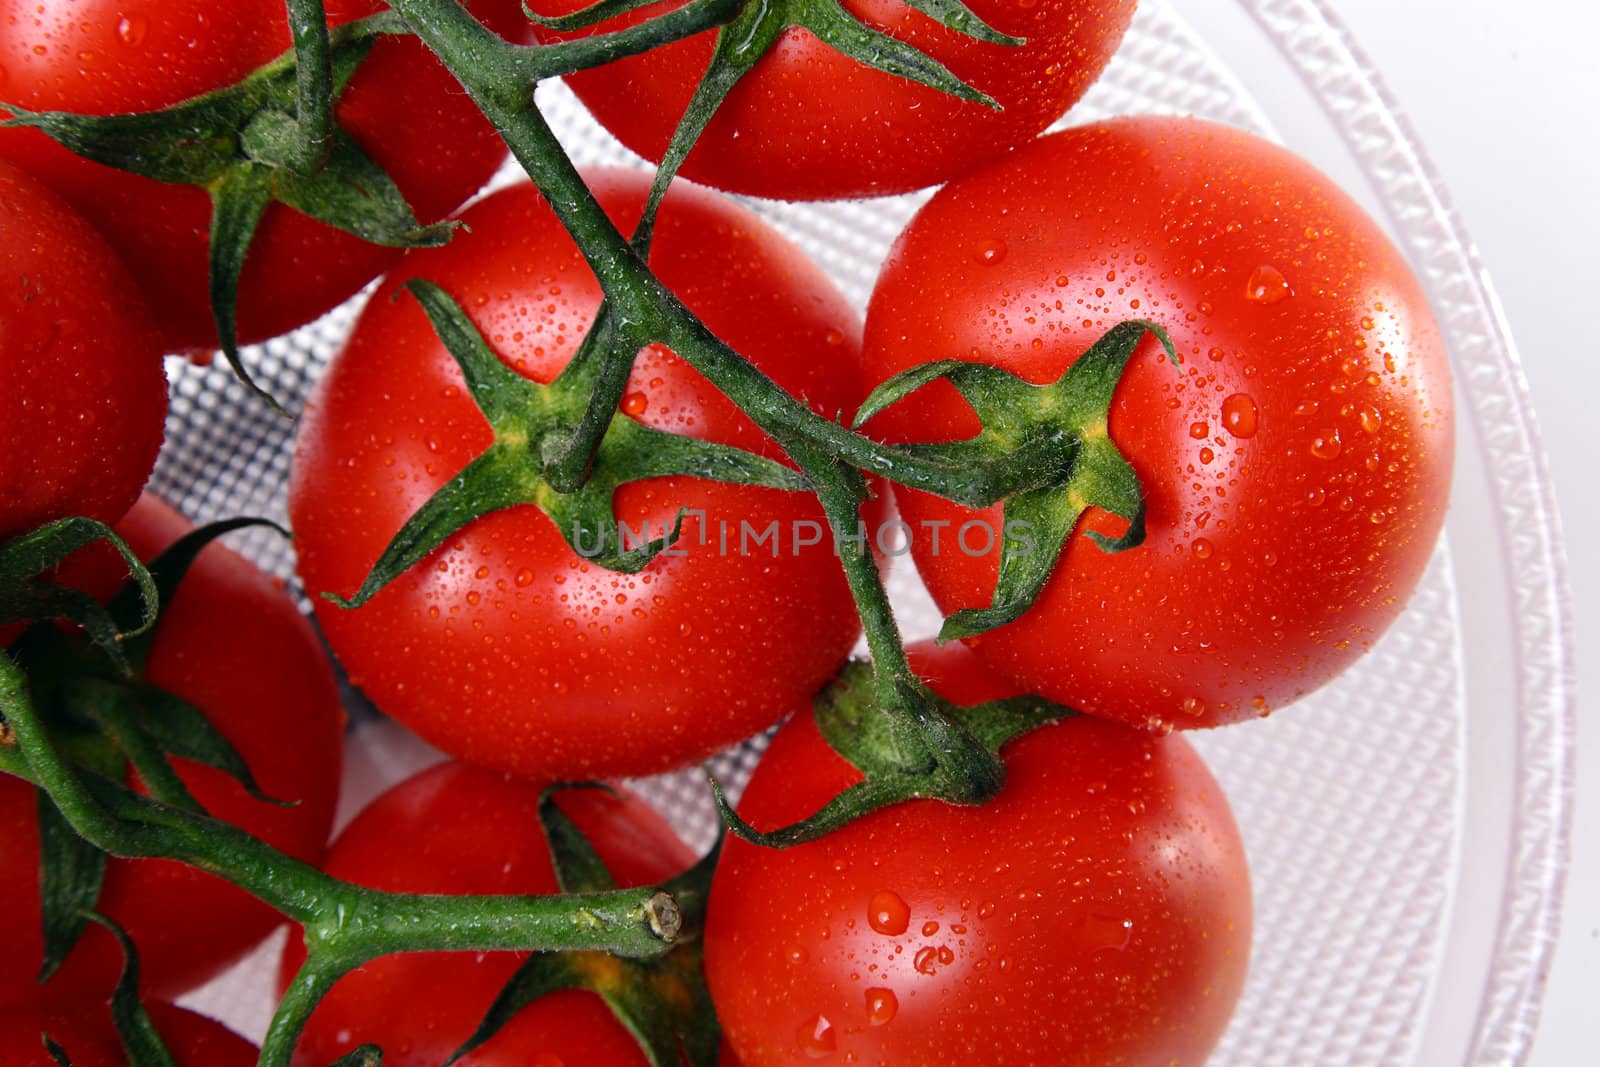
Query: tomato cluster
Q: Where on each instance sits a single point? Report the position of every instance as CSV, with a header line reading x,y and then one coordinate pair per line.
x,y
1288,420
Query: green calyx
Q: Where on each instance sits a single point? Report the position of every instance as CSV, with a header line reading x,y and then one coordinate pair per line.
x,y
852,718
140,1040
1064,424
269,138
532,423
29,593
663,1001
92,697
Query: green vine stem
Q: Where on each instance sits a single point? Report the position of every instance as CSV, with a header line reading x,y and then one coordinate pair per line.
x,y
313,70
345,925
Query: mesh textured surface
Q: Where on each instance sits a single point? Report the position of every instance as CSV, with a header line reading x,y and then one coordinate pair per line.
x,y
1349,801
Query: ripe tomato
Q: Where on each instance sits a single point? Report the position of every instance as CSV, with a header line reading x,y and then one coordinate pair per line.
x,y
82,392
809,123
505,647
85,1033
104,57
1097,911
232,643
458,829
1296,467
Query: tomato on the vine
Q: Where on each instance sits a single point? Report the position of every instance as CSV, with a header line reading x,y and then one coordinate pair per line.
x,y
809,123
84,1031
232,643
1097,911
1295,467
82,390
101,57
460,829
505,647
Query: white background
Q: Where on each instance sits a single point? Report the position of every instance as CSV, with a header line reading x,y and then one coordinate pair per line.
x,y
1506,99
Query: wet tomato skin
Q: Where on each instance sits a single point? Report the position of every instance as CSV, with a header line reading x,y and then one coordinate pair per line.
x,y
459,829
232,643
82,392
808,123
85,1033
1296,467
504,647
101,57
1097,911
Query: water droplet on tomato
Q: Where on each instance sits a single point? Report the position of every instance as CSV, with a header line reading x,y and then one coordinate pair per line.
x,y
1369,418
1239,415
1267,285
882,1006
524,578
1199,430
817,1038
834,337
888,914
1327,445
1104,932
930,928
635,404
990,252
1193,707
132,28
1201,548
926,961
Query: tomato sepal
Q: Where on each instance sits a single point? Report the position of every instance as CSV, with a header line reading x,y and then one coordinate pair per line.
x,y
1067,418
26,595
849,715
663,1002
135,1029
245,147
532,425
71,874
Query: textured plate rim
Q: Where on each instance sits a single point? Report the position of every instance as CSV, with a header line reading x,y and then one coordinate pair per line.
x,y
1351,92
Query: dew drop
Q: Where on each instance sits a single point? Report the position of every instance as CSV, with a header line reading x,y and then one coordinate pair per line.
x,y
1369,418
1327,445
1199,430
1202,549
926,960
1107,931
1239,415
990,252
816,1037
1267,285
888,914
635,404
524,578
132,28
882,1006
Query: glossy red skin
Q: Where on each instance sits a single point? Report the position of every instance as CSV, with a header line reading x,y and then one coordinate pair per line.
x,y
505,648
82,392
1096,912
1271,563
114,56
233,644
460,829
808,123
85,1032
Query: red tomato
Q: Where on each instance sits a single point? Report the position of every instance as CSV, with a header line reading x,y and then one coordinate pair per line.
x,y
1097,911
104,57
506,648
808,123
1296,467
85,1033
232,643
459,829
82,392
